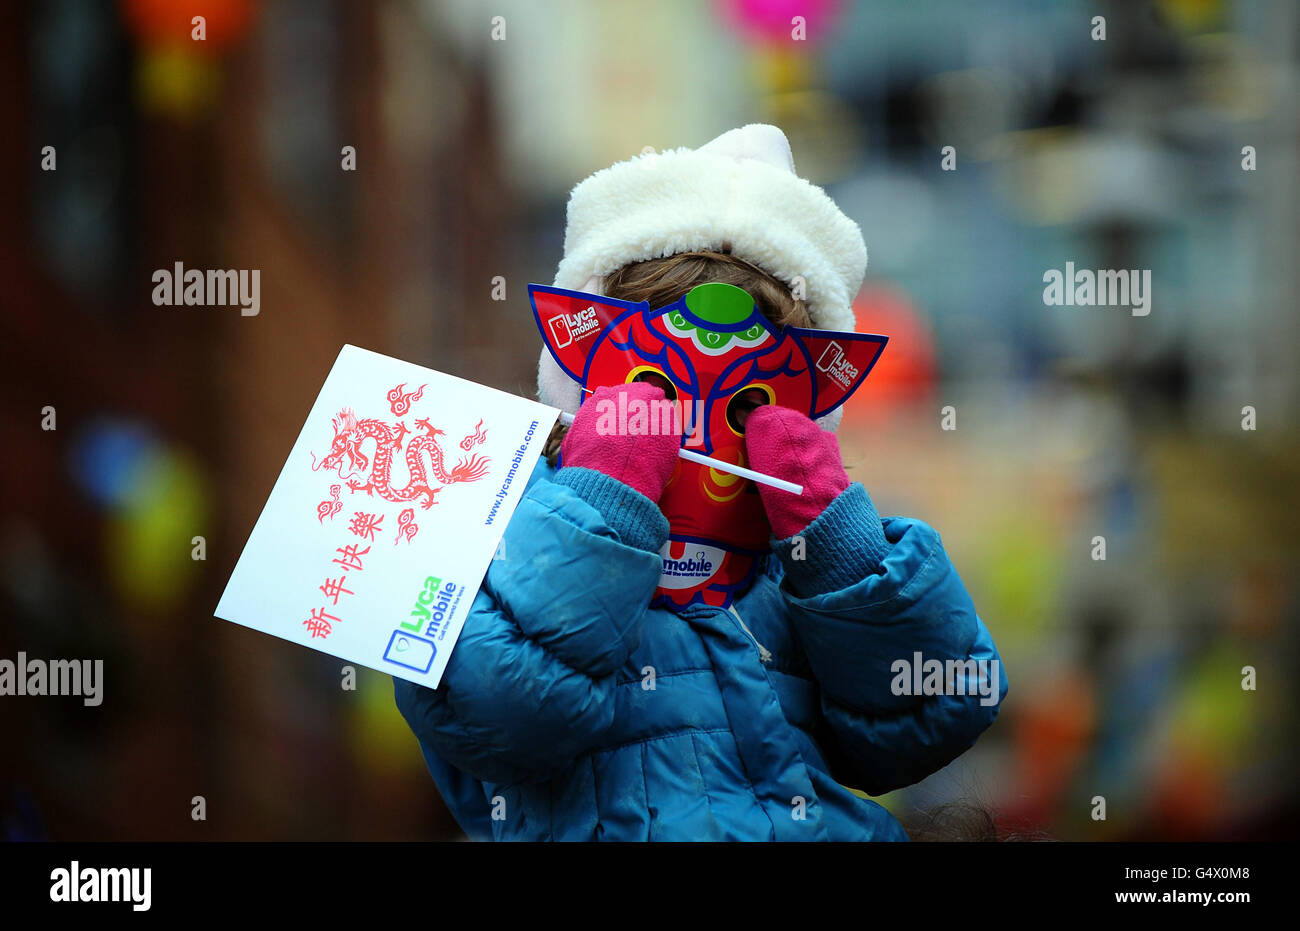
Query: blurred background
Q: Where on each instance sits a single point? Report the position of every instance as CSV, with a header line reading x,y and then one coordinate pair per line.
x,y
1070,422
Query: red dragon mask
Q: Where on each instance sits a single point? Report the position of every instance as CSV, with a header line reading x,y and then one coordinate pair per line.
x,y
716,355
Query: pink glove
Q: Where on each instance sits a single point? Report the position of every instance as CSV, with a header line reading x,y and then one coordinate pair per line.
x,y
644,463
784,443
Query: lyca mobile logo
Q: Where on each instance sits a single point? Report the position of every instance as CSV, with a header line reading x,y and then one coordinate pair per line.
x,y
429,616
565,328
432,605
834,364
698,566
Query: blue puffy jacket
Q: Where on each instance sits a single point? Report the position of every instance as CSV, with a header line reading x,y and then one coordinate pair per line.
x,y
569,710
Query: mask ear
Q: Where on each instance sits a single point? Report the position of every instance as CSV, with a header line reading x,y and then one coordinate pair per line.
x,y
570,322
839,363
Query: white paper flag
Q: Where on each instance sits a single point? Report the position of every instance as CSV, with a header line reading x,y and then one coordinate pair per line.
x,y
389,510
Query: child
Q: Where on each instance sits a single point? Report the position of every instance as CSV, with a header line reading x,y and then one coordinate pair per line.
x,y
577,705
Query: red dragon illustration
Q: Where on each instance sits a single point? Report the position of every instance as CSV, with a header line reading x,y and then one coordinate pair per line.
x,y
347,460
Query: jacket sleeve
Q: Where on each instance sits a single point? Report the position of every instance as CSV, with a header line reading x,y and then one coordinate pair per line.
x,y
871,616
530,683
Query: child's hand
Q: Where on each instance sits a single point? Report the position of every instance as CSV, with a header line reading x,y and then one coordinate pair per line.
x,y
644,463
784,443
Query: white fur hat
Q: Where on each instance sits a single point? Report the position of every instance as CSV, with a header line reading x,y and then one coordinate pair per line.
x,y
738,193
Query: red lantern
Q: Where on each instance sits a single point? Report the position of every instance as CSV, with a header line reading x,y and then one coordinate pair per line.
x,y
905,373
157,23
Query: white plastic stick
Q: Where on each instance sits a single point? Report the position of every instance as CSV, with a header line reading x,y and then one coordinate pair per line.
x,y
566,418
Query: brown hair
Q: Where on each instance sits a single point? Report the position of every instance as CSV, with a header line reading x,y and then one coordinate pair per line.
x,y
662,281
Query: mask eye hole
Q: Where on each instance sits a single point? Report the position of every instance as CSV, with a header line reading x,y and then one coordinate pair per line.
x,y
660,381
742,404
